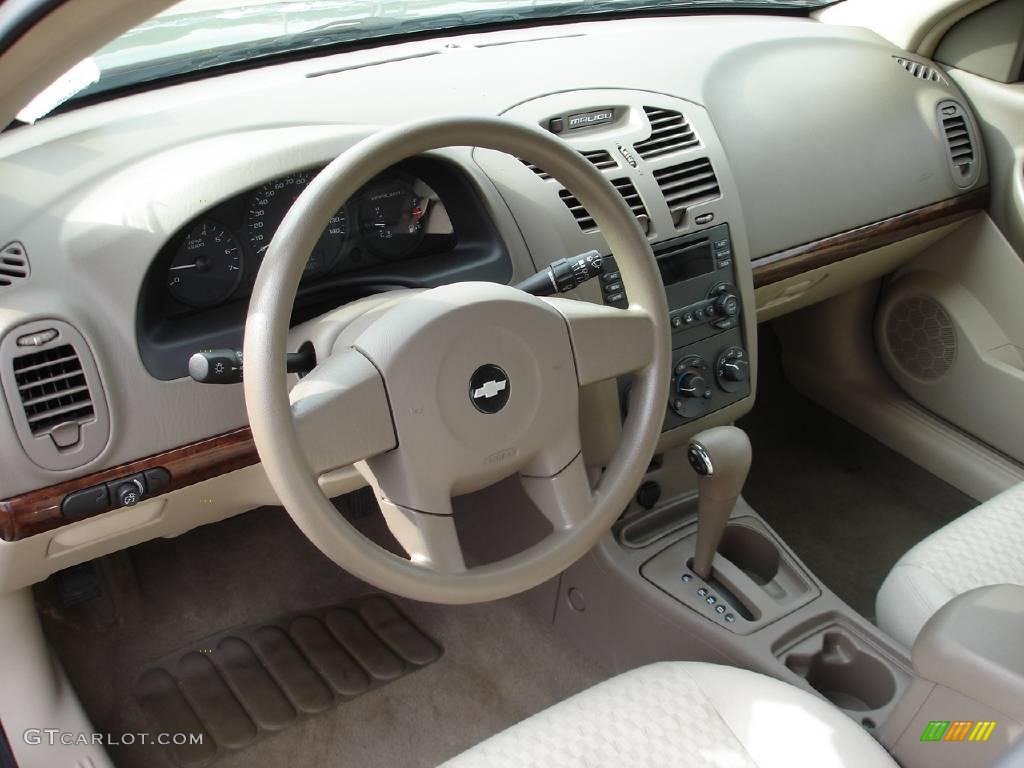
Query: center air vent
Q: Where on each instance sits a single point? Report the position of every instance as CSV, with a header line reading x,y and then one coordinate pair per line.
x,y
921,71
600,158
13,264
54,394
960,144
629,194
669,133
687,184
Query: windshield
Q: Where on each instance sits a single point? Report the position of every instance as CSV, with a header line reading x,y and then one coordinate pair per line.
x,y
193,35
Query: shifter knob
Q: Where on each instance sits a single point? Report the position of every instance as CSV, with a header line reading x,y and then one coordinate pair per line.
x,y
721,459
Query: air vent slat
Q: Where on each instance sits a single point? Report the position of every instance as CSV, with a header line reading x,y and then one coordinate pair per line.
x,y
670,132
959,141
601,159
687,184
14,266
52,388
921,71
586,221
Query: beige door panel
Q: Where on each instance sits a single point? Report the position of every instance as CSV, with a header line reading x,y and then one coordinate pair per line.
x,y
950,331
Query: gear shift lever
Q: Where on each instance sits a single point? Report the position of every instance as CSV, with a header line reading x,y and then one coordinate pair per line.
x,y
721,459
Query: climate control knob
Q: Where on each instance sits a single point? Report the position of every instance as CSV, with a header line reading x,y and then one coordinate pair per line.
x,y
691,390
732,369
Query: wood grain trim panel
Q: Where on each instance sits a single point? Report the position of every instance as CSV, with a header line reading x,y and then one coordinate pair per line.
x,y
40,510
828,250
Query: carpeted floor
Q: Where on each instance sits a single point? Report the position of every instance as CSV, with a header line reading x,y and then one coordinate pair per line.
x,y
500,664
848,505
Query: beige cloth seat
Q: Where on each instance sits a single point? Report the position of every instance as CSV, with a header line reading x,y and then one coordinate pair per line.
x,y
980,548
683,715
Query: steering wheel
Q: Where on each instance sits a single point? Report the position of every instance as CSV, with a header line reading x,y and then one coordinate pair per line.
x,y
446,391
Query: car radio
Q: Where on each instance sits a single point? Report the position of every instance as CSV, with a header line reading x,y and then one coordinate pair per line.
x,y
710,366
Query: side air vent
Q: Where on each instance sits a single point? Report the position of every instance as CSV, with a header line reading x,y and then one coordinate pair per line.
x,y
54,394
14,266
960,143
669,133
600,158
921,71
687,184
629,194
52,388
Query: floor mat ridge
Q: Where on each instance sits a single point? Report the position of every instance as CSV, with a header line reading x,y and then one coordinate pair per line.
x,y
229,690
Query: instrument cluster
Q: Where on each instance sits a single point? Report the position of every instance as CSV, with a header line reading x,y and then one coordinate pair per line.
x,y
395,217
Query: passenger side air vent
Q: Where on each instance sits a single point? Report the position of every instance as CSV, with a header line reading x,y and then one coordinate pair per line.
x,y
52,388
54,394
629,194
669,133
14,266
921,71
687,184
960,144
600,158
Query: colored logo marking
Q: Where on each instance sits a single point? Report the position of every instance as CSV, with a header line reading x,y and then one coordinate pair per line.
x,y
958,730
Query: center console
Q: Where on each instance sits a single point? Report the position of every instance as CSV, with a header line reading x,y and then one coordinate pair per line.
x,y
710,364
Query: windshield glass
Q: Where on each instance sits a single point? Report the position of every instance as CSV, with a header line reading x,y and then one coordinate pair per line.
x,y
197,34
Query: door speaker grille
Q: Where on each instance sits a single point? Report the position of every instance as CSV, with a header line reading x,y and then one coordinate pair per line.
x,y
921,338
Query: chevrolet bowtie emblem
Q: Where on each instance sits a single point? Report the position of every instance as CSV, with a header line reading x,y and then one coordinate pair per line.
x,y
490,388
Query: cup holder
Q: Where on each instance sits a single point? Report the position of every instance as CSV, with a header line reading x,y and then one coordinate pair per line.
x,y
844,674
750,551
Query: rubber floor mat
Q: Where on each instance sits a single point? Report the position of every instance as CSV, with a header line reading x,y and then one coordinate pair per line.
x,y
235,687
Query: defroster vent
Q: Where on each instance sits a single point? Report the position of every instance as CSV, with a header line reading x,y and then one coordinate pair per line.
x,y
669,133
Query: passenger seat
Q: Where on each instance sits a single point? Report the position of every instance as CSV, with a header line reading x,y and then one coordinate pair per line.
x,y
982,547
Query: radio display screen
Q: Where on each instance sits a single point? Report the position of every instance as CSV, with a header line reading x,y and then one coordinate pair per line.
x,y
692,261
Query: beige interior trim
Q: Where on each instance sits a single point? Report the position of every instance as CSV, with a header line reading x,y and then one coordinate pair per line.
x,y
914,25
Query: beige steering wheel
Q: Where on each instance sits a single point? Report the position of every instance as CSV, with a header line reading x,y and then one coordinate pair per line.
x,y
446,391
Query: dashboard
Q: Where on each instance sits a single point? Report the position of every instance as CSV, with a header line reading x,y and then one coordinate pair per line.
x,y
736,140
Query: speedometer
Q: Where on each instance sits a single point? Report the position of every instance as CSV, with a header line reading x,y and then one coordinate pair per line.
x,y
267,210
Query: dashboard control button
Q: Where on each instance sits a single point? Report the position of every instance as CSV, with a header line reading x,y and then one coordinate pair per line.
x,y
85,502
612,298
611,277
687,317
691,385
677,321
727,305
732,369
126,491
156,480
37,339
704,218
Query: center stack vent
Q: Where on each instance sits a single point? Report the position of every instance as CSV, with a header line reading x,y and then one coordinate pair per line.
x,y
625,188
687,184
669,133
600,158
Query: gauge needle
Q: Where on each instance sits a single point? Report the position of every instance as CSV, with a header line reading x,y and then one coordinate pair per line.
x,y
184,266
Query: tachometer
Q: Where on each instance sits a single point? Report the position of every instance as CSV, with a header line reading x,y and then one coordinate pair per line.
x,y
207,268
391,216
267,209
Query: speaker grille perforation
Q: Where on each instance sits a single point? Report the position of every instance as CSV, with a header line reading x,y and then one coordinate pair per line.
x,y
921,338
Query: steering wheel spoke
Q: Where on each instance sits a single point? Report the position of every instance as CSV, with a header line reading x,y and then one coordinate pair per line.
x,y
430,539
341,412
564,498
607,341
